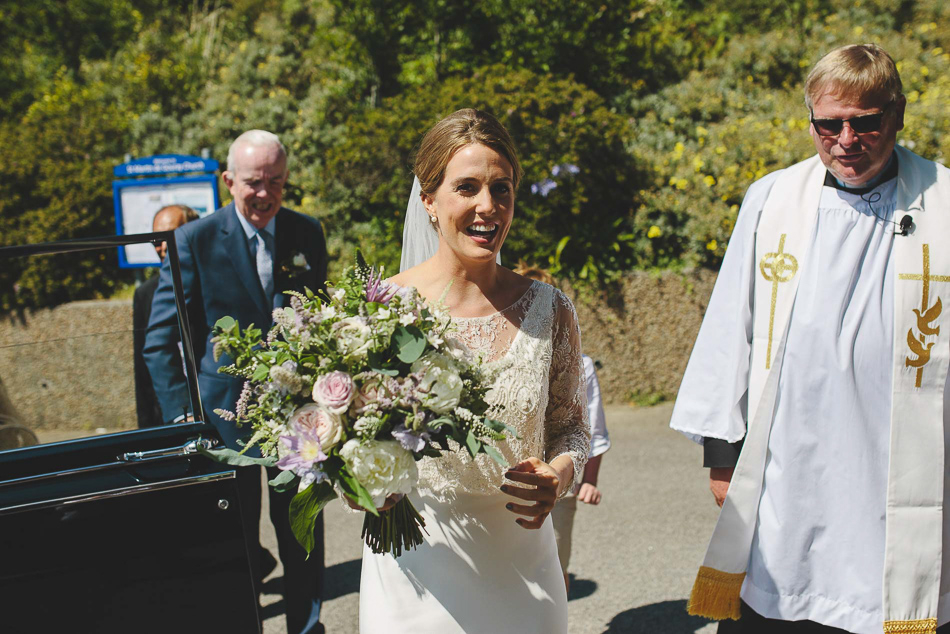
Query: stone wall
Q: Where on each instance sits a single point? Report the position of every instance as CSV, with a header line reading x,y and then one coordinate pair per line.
x,y
71,367
643,332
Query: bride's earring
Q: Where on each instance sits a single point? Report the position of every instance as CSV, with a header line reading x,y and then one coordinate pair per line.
x,y
432,219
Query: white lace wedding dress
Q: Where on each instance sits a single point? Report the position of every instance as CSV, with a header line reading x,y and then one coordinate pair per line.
x,y
478,571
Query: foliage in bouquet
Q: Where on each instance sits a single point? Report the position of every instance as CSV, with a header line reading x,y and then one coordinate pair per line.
x,y
348,390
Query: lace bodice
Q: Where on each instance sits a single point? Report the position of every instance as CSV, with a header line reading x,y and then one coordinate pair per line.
x,y
539,390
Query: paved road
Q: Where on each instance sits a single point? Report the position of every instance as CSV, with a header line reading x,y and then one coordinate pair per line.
x,y
635,555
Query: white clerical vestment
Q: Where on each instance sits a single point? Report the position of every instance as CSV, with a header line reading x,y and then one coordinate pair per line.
x,y
819,542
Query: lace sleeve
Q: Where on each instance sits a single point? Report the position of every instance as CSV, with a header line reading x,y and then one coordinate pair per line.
x,y
567,430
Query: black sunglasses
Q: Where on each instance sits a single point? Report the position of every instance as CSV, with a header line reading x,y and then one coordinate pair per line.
x,y
860,125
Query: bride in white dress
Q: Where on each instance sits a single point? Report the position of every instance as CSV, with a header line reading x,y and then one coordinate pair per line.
x,y
489,562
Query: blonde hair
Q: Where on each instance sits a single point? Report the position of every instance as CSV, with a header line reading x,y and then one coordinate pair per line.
x,y
460,129
861,70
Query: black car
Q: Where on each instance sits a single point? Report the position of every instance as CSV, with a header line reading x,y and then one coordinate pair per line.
x,y
105,526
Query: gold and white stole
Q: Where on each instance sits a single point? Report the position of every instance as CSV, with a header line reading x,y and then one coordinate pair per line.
x,y
914,522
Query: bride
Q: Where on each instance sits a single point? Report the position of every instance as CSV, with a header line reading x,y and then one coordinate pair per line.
x,y
489,562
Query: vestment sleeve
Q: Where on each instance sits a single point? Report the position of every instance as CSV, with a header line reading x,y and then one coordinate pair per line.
x,y
567,430
162,353
713,396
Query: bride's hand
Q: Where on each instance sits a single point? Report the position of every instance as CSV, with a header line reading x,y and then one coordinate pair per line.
x,y
390,502
543,482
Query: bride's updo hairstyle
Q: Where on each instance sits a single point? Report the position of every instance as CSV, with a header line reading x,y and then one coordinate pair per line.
x,y
460,129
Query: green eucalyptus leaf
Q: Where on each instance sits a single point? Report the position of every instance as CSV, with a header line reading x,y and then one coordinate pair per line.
x,y
225,323
410,343
235,458
284,481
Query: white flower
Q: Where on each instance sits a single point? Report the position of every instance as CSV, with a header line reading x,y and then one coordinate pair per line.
x,y
284,317
338,294
354,337
300,262
407,319
383,314
382,467
328,311
441,386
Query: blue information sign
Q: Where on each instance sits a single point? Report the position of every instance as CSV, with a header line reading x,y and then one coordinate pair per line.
x,y
181,180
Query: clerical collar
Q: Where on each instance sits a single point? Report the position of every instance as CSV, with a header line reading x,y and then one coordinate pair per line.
x,y
889,172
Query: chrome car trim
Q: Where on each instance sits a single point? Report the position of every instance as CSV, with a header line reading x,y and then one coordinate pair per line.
x,y
125,460
114,493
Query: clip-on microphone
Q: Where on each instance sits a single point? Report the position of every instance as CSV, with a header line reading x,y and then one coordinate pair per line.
x,y
906,223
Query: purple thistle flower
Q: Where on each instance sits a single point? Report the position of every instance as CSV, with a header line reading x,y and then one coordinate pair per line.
x,y
377,290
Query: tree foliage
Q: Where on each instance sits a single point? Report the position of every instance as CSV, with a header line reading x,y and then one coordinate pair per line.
x,y
669,109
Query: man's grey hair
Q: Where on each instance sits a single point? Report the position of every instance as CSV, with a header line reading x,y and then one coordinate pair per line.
x,y
254,138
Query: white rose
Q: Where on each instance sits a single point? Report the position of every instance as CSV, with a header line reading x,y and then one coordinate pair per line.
x,y
354,337
300,261
382,467
441,386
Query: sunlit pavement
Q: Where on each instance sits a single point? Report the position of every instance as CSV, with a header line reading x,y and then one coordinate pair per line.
x,y
635,555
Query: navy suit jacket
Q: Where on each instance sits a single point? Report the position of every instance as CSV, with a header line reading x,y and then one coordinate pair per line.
x,y
219,278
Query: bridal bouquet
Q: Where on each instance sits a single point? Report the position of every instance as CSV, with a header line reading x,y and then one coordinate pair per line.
x,y
347,392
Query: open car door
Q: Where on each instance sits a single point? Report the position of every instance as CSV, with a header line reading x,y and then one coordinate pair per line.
x,y
106,527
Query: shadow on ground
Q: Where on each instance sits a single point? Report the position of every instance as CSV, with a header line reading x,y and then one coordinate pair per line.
x,y
339,580
581,588
669,617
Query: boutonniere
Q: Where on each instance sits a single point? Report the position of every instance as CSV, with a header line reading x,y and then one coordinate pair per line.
x,y
295,265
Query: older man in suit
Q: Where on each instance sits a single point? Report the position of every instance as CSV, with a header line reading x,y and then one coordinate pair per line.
x,y
238,262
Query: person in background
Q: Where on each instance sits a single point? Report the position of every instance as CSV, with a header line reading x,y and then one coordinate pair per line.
x,y
149,413
238,262
586,491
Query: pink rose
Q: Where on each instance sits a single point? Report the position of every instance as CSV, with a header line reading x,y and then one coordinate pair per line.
x,y
371,391
334,391
326,425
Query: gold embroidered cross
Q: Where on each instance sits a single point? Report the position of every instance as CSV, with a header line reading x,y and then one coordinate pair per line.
x,y
926,315
777,267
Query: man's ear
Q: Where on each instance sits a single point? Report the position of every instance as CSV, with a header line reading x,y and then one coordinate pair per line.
x,y
228,178
899,112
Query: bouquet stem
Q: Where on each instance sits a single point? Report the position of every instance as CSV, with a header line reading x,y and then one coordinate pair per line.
x,y
395,529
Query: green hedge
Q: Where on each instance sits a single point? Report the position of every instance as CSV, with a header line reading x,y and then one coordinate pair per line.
x,y
669,109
